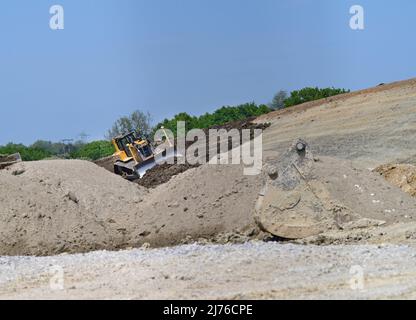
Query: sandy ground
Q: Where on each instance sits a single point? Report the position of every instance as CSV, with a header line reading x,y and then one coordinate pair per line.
x,y
364,130
248,271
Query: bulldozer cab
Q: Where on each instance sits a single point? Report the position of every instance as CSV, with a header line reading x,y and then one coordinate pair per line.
x,y
132,146
121,145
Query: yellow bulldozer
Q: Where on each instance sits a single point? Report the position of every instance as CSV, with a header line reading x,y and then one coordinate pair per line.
x,y
134,155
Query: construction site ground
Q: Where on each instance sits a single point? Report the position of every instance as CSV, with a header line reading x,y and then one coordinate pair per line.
x,y
194,236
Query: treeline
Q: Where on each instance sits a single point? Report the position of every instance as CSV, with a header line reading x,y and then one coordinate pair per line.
x,y
244,111
41,150
218,117
28,153
311,94
282,100
93,150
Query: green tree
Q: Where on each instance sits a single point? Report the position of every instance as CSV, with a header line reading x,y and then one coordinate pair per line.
x,y
50,147
138,121
278,101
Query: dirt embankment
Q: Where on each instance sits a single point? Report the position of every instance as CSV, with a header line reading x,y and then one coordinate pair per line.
x,y
63,206
380,89
72,206
370,127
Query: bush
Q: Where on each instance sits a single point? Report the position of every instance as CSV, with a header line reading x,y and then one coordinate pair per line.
x,y
27,153
94,150
311,94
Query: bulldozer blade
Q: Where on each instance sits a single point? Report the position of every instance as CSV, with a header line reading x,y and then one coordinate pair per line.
x,y
165,156
146,166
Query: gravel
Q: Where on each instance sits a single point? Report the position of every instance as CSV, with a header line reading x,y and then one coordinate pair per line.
x,y
255,270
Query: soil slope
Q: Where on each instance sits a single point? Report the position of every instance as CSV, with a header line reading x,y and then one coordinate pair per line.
x,y
371,127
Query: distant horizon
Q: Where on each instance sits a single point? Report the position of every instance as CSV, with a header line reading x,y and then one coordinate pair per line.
x,y
112,57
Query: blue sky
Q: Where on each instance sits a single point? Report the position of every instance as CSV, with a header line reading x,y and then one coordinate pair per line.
x,y
168,56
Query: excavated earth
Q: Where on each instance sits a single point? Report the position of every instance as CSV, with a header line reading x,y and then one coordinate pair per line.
x,y
54,207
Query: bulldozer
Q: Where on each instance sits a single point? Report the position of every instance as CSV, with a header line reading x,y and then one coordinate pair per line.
x,y
134,154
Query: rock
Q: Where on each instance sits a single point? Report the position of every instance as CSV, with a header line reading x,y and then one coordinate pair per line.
x,y
146,245
72,197
362,223
173,205
18,172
